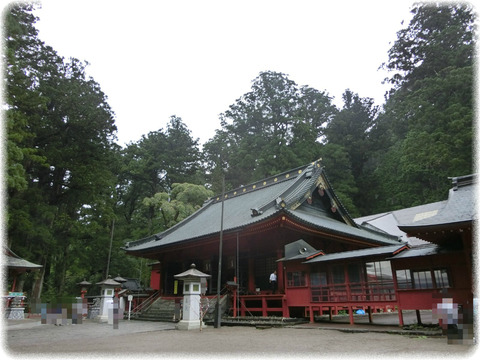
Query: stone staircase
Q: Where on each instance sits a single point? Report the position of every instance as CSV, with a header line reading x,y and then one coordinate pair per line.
x,y
160,310
166,310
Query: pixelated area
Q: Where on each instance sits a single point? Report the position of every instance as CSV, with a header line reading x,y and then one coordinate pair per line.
x,y
59,312
65,312
113,313
455,320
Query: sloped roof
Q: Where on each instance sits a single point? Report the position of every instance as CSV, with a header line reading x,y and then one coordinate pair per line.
x,y
191,273
422,250
460,208
109,281
389,221
13,261
300,249
132,284
376,251
266,199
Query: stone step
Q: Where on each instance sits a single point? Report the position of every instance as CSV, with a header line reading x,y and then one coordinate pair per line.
x,y
165,309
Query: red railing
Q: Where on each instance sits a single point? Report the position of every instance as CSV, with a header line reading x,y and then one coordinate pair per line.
x,y
263,305
384,291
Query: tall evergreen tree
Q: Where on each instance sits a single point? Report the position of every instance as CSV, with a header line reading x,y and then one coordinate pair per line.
x,y
152,165
275,126
350,130
61,122
429,114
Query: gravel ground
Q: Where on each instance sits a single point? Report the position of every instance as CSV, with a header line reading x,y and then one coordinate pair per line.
x,y
140,339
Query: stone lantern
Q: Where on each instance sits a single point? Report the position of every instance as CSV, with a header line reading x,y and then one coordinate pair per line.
x,y
192,280
121,295
83,307
83,286
107,293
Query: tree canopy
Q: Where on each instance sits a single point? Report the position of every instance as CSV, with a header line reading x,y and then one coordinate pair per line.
x,y
71,189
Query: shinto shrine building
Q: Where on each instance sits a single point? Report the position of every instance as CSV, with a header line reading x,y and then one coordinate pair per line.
x,y
325,261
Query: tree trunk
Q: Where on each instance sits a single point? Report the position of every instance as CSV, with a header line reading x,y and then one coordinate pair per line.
x,y
38,283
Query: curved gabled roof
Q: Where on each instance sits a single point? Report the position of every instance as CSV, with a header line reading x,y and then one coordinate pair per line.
x,y
287,193
13,261
456,212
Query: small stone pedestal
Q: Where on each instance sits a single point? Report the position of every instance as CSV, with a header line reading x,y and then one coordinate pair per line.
x,y
16,313
191,298
16,309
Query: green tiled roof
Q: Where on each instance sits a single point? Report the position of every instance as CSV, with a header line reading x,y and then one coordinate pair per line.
x,y
283,193
459,208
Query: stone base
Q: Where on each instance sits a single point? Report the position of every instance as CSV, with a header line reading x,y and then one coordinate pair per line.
x,y
15,313
102,318
189,325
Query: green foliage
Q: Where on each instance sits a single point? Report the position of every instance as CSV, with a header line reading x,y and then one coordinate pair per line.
x,y
151,166
275,126
427,123
70,187
338,166
182,201
439,36
60,152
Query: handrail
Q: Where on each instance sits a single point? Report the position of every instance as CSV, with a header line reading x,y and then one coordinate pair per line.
x,y
147,302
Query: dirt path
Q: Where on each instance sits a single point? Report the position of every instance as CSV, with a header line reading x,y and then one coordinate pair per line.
x,y
142,339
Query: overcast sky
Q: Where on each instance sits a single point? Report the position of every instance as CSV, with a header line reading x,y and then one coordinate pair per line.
x,y
193,59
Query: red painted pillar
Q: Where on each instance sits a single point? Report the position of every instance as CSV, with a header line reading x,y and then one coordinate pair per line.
x,y
235,298
280,274
264,306
350,312
286,313
251,275
400,317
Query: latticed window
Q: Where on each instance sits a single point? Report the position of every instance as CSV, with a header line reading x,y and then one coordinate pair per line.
x,y
422,279
379,271
338,274
296,278
404,279
442,279
380,280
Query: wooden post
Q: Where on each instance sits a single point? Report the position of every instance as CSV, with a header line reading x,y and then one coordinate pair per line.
x,y
251,275
235,298
369,309
280,274
350,313
400,317
419,318
286,313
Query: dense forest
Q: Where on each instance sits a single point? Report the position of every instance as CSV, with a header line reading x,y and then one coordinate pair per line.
x,y
72,193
